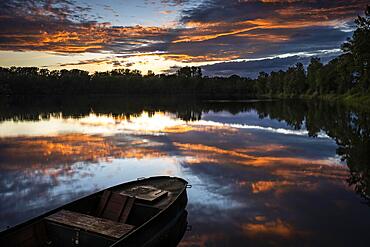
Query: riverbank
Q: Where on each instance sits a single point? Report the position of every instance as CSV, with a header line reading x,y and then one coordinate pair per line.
x,y
358,100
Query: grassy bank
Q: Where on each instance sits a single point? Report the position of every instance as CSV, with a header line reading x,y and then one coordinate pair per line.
x,y
358,100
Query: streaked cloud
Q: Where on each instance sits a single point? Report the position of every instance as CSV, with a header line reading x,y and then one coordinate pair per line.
x,y
62,27
197,33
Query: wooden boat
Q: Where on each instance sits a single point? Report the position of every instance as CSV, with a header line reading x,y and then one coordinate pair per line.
x,y
145,212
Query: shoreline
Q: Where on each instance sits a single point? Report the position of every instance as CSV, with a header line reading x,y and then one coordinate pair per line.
x,y
359,101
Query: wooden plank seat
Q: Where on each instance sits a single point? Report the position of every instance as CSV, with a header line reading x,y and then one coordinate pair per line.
x,y
90,223
115,206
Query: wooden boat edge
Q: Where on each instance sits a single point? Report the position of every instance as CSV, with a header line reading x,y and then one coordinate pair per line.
x,y
41,217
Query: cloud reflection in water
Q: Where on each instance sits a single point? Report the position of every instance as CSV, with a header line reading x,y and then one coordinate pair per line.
x,y
249,184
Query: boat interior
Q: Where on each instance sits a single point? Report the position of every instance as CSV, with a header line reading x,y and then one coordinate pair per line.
x,y
102,218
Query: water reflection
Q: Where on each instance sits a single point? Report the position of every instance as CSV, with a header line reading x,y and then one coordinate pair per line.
x,y
144,123
259,176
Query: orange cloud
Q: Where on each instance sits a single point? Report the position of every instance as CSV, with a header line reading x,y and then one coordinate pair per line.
x,y
341,12
167,12
264,148
81,39
201,58
265,37
69,29
202,31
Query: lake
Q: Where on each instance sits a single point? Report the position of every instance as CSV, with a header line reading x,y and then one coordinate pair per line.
x,y
263,173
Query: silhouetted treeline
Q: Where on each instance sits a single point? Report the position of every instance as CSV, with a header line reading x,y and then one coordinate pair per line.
x,y
34,81
348,73
185,108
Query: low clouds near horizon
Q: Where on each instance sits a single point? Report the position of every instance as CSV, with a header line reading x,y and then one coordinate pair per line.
x,y
252,69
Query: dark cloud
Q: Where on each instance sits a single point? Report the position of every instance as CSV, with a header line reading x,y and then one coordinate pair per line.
x,y
86,62
212,30
169,2
241,10
252,68
226,30
62,26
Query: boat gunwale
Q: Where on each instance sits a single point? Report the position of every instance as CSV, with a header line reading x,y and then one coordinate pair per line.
x,y
42,217
133,231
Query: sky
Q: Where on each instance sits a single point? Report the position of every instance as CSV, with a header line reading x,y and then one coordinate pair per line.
x,y
224,37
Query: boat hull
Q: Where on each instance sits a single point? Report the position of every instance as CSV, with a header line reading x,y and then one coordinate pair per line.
x,y
155,223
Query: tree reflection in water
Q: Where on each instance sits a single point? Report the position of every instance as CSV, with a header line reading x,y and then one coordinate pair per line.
x,y
349,127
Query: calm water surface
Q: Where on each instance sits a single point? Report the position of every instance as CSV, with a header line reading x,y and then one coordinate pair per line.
x,y
264,173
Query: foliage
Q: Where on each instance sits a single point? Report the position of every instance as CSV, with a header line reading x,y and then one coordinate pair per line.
x,y
359,48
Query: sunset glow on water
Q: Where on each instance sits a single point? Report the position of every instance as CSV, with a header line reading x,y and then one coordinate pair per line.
x,y
262,178
262,106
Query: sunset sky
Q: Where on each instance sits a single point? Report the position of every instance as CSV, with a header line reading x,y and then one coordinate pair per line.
x,y
223,36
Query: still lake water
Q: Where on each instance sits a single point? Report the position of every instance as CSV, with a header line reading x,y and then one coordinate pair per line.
x,y
264,173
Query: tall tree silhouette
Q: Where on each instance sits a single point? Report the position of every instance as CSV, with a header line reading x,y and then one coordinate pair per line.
x,y
359,47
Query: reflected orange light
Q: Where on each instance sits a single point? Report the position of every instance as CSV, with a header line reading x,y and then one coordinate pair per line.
x,y
260,218
68,149
237,157
277,227
201,240
282,186
332,172
264,148
178,129
144,123
262,186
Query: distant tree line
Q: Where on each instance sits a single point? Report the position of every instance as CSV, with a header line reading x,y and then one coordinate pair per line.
x,y
348,73
187,80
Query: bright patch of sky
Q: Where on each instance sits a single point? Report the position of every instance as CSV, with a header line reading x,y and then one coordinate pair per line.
x,y
134,12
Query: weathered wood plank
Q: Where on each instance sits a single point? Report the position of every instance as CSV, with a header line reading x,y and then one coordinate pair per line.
x,y
103,202
89,223
127,209
114,207
31,236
